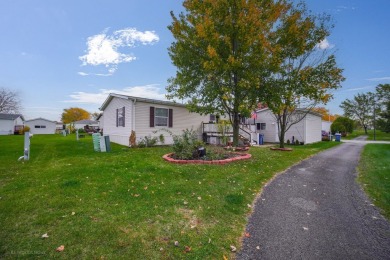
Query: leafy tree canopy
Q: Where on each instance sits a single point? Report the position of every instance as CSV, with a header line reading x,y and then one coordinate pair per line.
x,y
70,115
359,108
222,51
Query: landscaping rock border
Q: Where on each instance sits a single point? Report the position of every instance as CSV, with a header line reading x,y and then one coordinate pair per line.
x,y
241,156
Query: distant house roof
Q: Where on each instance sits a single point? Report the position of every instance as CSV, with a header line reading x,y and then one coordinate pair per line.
x,y
146,100
40,118
298,110
10,116
86,122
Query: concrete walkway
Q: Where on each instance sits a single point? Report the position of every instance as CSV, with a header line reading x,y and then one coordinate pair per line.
x,y
317,210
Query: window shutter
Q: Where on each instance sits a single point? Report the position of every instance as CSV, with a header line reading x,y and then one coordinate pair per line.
x,y
170,118
151,117
117,117
123,116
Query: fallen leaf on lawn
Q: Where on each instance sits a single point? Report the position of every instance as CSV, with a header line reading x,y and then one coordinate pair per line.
x,y
73,213
60,248
209,240
247,234
45,235
233,248
258,248
145,188
193,226
187,249
185,202
249,206
199,198
136,195
176,243
225,258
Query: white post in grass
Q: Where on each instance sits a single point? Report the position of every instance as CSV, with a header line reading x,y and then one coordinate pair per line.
x,y
26,150
77,134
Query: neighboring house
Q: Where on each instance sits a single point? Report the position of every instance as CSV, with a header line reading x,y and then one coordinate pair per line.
x,y
81,124
122,114
59,126
308,130
11,123
326,126
41,126
100,121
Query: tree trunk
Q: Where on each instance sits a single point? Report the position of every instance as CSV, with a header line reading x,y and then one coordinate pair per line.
x,y
236,127
281,139
282,121
365,129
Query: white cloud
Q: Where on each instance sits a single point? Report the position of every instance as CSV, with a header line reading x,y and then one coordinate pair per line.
x,y
324,44
148,91
82,73
379,79
103,49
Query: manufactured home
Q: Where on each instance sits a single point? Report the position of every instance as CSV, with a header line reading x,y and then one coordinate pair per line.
x,y
308,130
147,117
41,126
11,123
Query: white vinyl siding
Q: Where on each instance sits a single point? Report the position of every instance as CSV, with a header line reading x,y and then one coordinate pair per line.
x,y
118,135
313,128
182,119
41,126
308,130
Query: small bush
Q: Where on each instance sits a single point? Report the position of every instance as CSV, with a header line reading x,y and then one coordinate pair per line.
x,y
186,145
296,142
81,131
161,138
147,141
26,128
288,142
132,139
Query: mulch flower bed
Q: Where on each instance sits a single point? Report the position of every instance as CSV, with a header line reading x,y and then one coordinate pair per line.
x,y
231,158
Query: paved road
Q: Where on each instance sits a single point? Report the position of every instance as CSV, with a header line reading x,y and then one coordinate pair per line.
x,y
316,210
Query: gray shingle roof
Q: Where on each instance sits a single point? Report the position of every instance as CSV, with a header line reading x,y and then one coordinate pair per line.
x,y
10,116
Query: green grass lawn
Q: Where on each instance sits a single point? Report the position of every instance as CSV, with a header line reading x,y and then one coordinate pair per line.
x,y
128,203
379,135
374,169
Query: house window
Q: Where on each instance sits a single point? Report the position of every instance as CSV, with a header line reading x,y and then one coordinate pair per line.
x,y
212,118
37,126
120,117
260,126
161,116
43,126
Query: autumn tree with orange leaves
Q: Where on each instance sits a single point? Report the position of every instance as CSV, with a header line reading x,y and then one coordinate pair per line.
x,y
326,116
70,115
307,73
223,51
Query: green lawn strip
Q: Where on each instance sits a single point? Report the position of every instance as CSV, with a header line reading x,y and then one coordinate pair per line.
x,y
127,203
379,135
374,175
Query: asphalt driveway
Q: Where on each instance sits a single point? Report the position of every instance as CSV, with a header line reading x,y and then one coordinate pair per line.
x,y
317,210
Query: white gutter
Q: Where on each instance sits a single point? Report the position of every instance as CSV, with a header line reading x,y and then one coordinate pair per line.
x,y
133,115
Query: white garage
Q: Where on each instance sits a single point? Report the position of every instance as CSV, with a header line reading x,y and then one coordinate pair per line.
x,y
41,126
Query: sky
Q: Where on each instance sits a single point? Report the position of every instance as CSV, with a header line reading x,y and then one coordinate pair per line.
x,y
61,54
